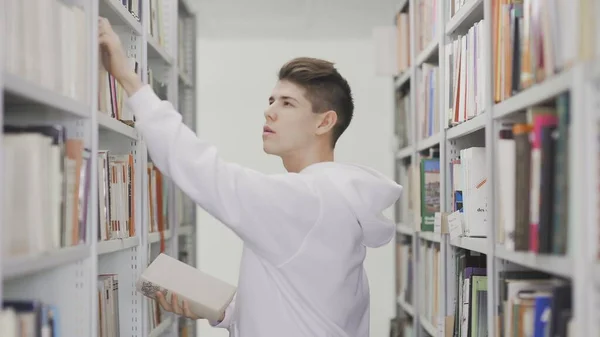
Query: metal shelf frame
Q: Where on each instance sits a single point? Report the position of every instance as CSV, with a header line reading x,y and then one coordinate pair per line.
x,y
582,264
67,277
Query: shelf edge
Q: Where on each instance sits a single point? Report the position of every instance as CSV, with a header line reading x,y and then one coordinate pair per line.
x,y
22,266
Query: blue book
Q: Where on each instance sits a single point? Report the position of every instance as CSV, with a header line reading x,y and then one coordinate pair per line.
x,y
475,271
543,302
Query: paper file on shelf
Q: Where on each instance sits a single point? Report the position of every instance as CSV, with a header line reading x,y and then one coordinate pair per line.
x,y
455,225
207,296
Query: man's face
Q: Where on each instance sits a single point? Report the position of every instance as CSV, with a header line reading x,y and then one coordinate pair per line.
x,y
290,123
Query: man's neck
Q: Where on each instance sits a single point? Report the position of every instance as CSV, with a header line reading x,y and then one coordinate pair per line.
x,y
296,162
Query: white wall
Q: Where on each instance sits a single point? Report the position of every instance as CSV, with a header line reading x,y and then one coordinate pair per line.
x,y
235,78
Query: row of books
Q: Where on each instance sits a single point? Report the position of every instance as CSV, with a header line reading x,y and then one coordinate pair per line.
x,y
20,318
464,96
427,101
404,269
24,317
158,191
468,193
46,192
532,184
34,318
45,189
133,6
156,28
470,292
526,50
108,296
108,292
183,45
429,281
532,201
532,40
534,304
426,23
531,303
53,52
533,180
410,176
423,192
402,119
116,196
402,42
108,305
112,96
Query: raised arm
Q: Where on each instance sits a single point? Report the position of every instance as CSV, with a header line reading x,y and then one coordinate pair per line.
x,y
259,208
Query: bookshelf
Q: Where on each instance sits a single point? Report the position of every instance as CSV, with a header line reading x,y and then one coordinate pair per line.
x,y
84,211
467,129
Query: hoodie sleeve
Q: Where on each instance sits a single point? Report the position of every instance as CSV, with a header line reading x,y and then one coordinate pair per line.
x,y
272,214
227,320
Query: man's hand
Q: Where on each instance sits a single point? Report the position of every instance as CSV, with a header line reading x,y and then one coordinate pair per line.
x,y
114,58
175,308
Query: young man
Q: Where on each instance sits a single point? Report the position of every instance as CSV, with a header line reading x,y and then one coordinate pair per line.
x,y
305,232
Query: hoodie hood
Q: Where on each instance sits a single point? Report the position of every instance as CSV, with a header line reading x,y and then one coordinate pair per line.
x,y
369,193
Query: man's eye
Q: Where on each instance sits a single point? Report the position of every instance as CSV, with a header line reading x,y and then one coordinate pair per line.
x,y
287,104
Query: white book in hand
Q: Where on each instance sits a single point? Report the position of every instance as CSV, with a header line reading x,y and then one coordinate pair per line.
x,y
207,296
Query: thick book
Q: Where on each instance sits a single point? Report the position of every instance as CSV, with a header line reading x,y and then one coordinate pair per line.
x,y
207,296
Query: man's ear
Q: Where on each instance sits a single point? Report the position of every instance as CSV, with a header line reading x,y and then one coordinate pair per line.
x,y
326,122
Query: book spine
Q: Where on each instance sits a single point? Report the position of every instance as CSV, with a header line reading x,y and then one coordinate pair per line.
x,y
522,180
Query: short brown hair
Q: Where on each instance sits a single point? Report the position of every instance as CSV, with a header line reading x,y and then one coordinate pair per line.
x,y
325,88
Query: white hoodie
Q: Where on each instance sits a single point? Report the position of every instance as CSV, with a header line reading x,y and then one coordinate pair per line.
x,y
305,234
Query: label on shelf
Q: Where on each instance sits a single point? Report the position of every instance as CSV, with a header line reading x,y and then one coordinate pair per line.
x,y
437,222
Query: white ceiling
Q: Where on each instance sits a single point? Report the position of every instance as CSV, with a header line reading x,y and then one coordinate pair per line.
x,y
291,18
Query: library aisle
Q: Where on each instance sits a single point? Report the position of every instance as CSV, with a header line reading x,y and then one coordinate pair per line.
x,y
497,131
497,125
84,210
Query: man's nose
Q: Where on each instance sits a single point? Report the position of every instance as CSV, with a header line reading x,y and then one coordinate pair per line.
x,y
270,113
